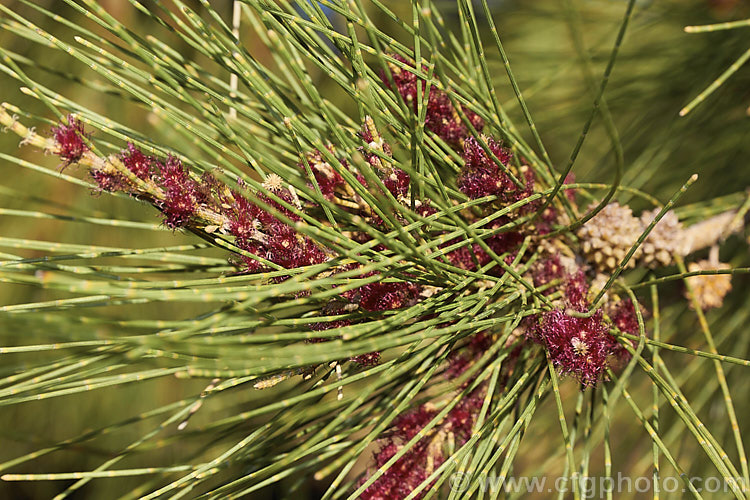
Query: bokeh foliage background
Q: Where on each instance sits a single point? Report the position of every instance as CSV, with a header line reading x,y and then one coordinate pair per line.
x,y
659,70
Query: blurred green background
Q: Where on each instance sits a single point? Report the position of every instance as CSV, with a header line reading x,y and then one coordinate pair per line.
x,y
660,69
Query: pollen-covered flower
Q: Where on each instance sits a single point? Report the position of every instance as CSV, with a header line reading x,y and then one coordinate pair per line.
x,y
69,140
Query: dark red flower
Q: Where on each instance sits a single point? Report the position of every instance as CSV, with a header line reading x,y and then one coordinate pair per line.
x,y
259,232
327,178
181,192
137,162
69,140
441,116
480,175
623,315
384,296
548,270
577,346
108,181
397,182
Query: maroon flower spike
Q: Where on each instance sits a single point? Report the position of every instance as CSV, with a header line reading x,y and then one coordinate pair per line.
x,y
576,291
460,420
69,140
408,425
547,271
577,346
411,469
481,176
181,193
624,317
423,458
403,476
326,177
397,182
108,181
137,162
260,233
384,296
440,116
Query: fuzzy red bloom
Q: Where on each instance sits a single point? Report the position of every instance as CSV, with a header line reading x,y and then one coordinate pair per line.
x,y
181,193
403,476
547,271
397,182
411,469
137,162
624,317
441,116
108,181
481,176
384,296
326,177
423,457
581,347
407,425
577,346
69,140
257,231
576,291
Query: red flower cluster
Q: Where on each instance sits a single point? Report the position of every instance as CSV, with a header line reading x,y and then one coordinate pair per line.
x,y
181,191
548,270
394,179
327,178
137,162
467,257
426,454
576,346
260,233
255,230
579,346
69,140
383,296
440,117
624,317
481,176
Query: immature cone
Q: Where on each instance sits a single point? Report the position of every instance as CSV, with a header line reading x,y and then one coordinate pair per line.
x,y
709,290
608,237
666,239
